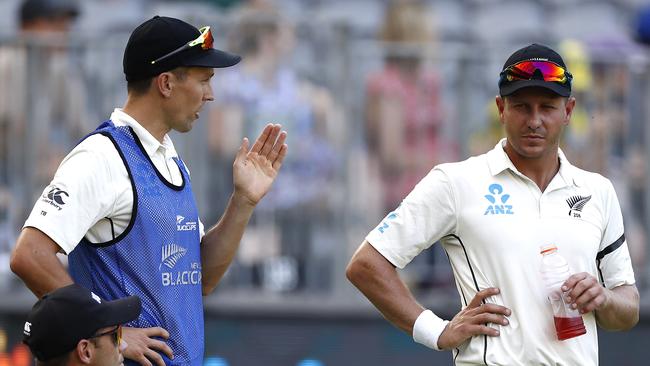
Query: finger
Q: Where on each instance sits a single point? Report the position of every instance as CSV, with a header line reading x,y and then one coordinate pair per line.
x,y
162,347
593,305
482,295
579,288
485,318
157,332
483,329
155,358
243,150
257,146
270,141
492,309
278,145
573,280
281,155
144,361
586,298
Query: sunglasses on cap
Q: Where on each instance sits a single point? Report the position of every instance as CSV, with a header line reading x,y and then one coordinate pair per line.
x,y
205,40
116,333
527,70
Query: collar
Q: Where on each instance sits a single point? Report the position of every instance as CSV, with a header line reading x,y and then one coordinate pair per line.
x,y
498,161
151,144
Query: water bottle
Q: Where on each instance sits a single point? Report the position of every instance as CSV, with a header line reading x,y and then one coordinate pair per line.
x,y
555,270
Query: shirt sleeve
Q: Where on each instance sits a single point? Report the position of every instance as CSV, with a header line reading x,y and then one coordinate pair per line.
x,y
79,195
427,214
613,258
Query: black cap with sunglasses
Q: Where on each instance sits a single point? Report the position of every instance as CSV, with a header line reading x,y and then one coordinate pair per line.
x,y
535,65
62,318
162,43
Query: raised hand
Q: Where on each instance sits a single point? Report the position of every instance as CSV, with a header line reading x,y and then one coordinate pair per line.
x,y
143,348
254,171
473,319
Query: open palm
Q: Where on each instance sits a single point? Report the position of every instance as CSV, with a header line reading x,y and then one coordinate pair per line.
x,y
254,171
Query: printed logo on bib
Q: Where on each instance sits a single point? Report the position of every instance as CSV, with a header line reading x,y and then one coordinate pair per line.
x,y
171,255
55,197
498,201
184,226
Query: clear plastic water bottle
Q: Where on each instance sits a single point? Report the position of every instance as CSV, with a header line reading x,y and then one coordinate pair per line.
x,y
555,270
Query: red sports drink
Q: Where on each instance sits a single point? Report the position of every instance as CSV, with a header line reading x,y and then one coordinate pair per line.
x,y
569,327
555,270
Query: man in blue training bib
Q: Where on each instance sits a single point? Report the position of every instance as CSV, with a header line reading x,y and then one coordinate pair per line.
x,y
121,203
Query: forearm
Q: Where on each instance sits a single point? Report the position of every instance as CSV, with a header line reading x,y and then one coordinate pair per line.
x,y
378,280
219,245
34,260
621,309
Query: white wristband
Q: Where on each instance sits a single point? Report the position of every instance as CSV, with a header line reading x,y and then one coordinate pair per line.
x,y
427,329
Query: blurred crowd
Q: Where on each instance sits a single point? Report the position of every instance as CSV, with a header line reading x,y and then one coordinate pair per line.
x,y
372,94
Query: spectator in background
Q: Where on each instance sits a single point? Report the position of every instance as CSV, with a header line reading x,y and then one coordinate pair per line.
x,y
264,87
73,326
404,114
405,118
43,94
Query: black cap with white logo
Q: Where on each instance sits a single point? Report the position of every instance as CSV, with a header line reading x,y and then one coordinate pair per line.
x,y
62,318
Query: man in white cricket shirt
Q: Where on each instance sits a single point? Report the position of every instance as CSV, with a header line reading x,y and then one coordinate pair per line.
x,y
491,213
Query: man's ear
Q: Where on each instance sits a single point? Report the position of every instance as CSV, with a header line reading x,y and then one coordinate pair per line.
x,y
501,105
85,351
165,83
568,108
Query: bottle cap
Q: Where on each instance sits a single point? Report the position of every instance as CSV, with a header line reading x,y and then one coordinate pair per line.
x,y
546,249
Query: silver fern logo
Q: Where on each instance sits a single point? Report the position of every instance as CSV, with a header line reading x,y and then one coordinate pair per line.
x,y
576,204
171,253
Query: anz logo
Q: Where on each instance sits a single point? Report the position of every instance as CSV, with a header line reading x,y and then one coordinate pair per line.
x,y
384,225
498,201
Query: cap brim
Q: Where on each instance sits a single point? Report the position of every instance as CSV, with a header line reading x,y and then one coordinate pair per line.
x,y
513,86
121,311
211,58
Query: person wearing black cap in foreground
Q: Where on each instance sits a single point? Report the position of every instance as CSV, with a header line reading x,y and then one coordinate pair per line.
x,y
121,203
73,326
491,213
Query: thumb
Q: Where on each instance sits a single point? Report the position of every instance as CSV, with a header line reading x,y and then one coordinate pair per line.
x,y
243,150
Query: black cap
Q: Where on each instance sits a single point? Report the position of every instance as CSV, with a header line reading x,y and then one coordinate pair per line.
x,y
159,36
535,52
38,9
62,318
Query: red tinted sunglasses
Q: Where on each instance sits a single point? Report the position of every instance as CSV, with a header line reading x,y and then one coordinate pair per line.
x,y
205,40
525,70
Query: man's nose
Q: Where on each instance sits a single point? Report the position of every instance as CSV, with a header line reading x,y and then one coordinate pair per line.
x,y
123,345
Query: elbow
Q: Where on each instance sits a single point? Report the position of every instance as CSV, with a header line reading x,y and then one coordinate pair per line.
x,y
357,272
634,314
634,318
351,271
18,262
206,289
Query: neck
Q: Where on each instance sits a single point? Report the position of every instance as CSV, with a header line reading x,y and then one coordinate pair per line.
x,y
540,170
149,115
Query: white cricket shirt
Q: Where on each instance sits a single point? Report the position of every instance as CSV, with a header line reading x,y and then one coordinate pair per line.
x,y
491,220
91,195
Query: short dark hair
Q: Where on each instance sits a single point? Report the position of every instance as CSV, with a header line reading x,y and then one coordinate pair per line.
x,y
57,361
140,87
